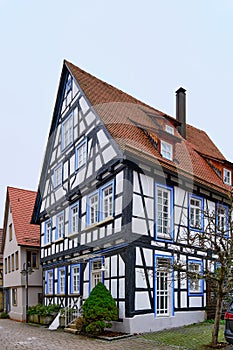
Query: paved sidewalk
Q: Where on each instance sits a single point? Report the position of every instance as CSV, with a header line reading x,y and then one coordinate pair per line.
x,y
17,335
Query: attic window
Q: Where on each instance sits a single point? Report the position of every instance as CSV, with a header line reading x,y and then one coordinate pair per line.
x,y
227,176
170,129
166,150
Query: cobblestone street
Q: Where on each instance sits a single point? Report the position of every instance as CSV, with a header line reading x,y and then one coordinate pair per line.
x,y
16,335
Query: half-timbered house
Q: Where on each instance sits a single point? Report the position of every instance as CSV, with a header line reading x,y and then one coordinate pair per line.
x,y
21,254
121,183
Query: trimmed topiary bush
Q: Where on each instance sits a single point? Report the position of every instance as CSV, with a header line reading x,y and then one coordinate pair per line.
x,y
99,310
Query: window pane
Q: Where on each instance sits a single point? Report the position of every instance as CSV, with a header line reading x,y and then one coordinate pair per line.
x,y
195,213
163,211
107,202
74,219
94,209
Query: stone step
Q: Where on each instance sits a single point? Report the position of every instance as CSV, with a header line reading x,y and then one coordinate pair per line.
x,y
72,325
71,330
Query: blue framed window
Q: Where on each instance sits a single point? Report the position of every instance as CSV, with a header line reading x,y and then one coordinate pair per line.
x,y
57,176
75,279
67,132
196,213
164,212
222,219
96,272
74,218
48,231
100,204
81,154
49,278
195,282
60,226
61,286
163,286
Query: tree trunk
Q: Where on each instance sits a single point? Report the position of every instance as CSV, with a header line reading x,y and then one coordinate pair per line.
x,y
217,316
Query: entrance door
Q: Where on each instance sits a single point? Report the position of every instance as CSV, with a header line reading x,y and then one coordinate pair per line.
x,y
7,300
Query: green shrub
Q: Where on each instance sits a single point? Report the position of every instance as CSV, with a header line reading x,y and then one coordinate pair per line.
x,y
43,310
4,315
99,310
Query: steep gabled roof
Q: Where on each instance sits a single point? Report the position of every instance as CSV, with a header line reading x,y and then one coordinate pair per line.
x,y
135,127
128,120
21,202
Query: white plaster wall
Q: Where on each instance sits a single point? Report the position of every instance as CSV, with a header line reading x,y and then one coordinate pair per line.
x,y
149,323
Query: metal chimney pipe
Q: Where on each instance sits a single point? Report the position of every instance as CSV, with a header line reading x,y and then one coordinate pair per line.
x,y
181,111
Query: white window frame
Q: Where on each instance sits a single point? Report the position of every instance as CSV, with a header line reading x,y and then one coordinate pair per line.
x,y
74,218
57,176
222,216
81,154
163,287
67,132
96,272
60,226
100,204
166,150
48,232
94,208
164,220
227,176
169,129
61,280
49,280
106,202
75,279
195,284
195,213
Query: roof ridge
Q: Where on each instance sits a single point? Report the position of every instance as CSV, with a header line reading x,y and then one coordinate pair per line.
x,y
118,89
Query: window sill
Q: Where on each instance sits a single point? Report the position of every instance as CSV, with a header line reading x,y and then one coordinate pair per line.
x,y
73,234
46,245
59,240
164,237
100,223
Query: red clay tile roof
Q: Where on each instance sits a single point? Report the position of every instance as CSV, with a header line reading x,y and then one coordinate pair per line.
x,y
202,143
22,203
127,119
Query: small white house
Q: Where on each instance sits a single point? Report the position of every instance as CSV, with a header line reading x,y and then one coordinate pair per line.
x,y
21,254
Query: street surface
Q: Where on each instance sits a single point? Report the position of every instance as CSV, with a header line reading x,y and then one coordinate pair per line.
x,y
17,335
20,336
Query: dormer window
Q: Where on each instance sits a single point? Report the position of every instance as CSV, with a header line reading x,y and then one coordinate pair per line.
x,y
169,129
227,176
166,150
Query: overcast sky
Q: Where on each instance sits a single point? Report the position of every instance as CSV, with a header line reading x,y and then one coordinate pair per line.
x,y
146,48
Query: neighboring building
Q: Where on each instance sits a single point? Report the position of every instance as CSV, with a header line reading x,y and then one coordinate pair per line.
x,y
123,187
1,272
21,250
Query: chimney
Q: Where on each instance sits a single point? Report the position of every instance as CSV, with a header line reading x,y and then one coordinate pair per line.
x,y
181,111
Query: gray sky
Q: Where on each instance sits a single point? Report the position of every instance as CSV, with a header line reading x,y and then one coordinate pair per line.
x,y
146,48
